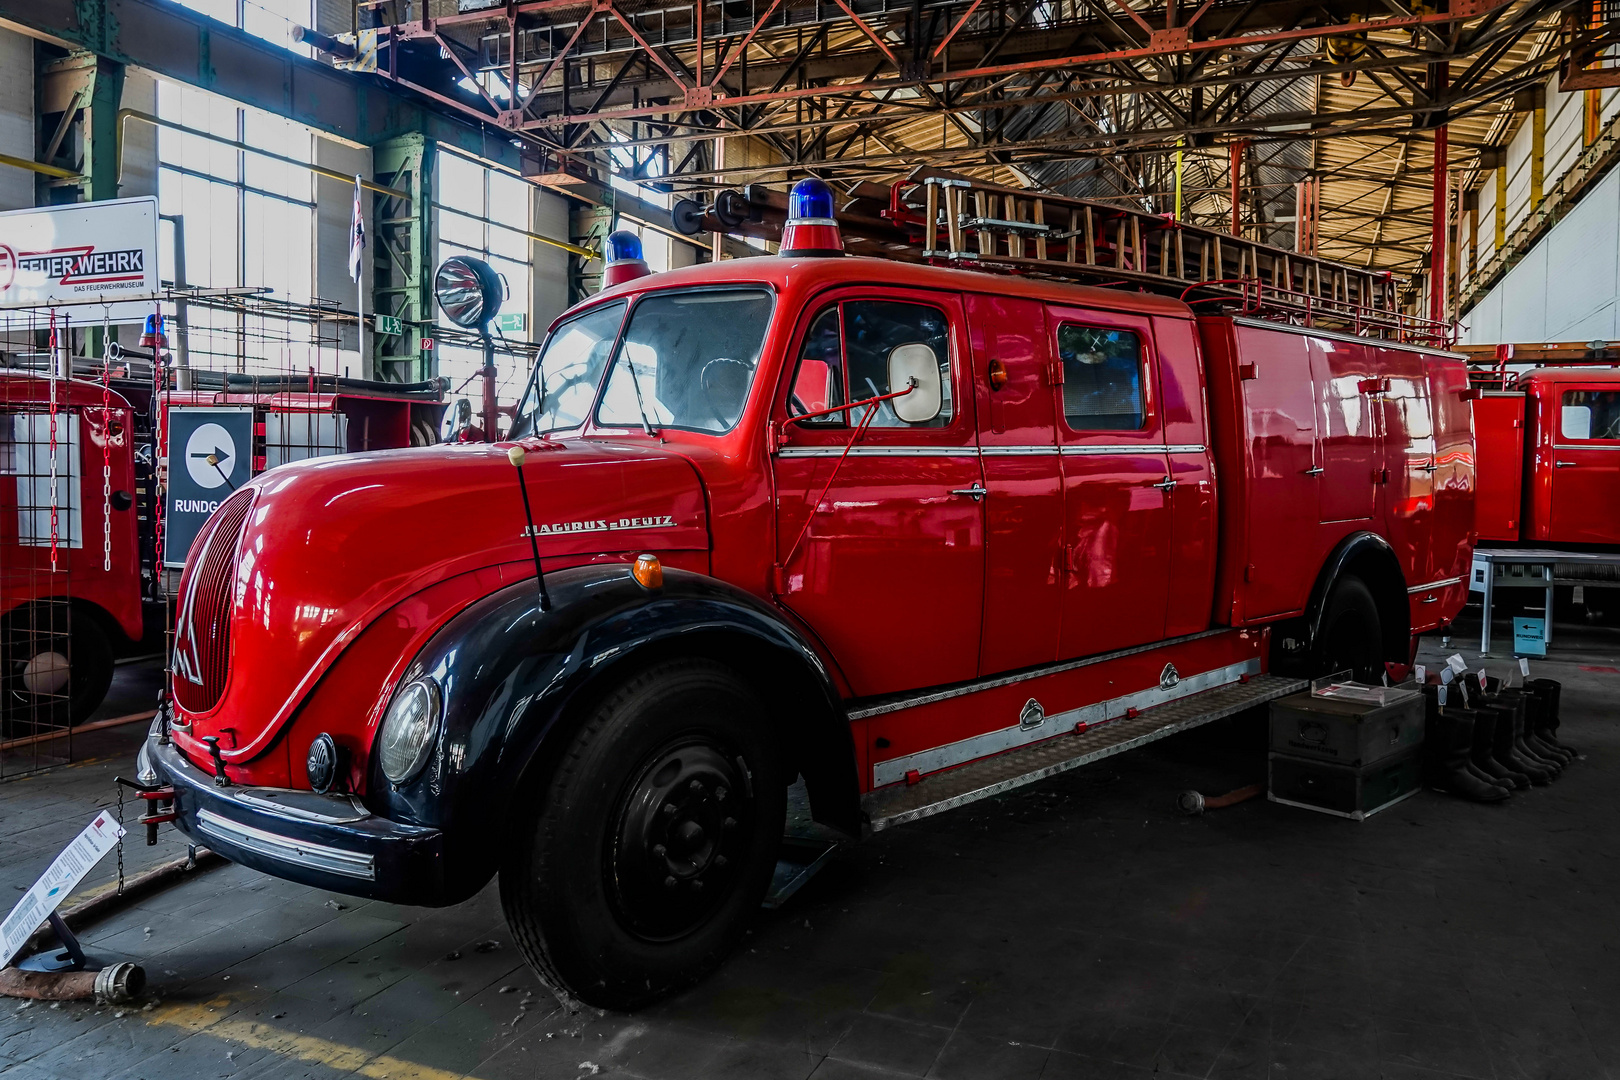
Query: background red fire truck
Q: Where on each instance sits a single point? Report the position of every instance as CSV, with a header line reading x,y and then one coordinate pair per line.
x,y
80,581
914,534
1549,454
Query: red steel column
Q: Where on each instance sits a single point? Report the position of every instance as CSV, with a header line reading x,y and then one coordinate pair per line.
x,y
1437,249
1235,148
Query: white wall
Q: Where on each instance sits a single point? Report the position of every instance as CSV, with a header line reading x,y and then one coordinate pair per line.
x,y
1566,288
16,118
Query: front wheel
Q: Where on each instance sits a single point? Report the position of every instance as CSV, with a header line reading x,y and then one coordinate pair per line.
x,y
654,840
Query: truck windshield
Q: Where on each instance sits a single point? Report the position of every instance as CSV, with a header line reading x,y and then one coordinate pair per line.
x,y
687,360
564,382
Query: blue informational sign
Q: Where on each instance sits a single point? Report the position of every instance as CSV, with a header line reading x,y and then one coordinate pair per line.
x,y
1528,636
210,455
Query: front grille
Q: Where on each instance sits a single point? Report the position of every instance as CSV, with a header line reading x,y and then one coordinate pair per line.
x,y
202,642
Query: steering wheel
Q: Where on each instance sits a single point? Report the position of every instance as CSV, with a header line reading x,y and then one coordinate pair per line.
x,y
720,368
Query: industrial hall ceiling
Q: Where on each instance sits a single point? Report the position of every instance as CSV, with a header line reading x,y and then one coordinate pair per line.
x,y
1092,98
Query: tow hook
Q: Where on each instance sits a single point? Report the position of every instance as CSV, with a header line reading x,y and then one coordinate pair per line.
x,y
160,806
220,779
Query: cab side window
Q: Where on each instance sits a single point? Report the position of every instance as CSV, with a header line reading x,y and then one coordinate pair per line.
x,y
1591,414
1102,378
845,359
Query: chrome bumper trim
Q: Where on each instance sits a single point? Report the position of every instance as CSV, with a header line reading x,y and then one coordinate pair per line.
x,y
287,849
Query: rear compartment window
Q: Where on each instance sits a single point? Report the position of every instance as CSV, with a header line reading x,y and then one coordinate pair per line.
x,y
687,360
1591,414
845,358
1102,378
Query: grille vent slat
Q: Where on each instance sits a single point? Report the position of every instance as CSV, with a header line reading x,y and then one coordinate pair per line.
x,y
207,631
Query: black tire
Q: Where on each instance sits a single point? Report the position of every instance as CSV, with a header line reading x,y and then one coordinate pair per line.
x,y
1352,635
40,638
629,883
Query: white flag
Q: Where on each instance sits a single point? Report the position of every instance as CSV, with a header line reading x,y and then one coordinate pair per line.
x,y
357,234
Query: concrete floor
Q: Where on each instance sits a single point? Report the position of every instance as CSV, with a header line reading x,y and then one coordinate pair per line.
x,y
1079,929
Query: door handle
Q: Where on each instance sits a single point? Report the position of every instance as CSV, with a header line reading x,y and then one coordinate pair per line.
x,y
1564,464
1430,467
1431,599
975,492
1318,471
1166,484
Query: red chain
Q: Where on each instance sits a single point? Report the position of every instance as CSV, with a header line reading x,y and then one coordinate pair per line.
x,y
53,441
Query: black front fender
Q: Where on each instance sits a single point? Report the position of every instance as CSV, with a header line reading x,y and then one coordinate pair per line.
x,y
512,678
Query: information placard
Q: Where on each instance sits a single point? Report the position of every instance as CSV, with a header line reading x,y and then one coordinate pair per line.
x,y
53,886
210,455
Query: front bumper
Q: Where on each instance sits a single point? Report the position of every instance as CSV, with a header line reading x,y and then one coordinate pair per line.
x,y
328,841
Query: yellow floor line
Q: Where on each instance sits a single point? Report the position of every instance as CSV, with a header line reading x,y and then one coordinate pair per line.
x,y
316,1051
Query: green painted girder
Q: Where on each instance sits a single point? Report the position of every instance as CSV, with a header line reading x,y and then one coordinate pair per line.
x,y
183,45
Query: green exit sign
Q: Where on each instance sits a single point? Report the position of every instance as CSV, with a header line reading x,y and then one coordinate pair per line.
x,y
513,321
388,324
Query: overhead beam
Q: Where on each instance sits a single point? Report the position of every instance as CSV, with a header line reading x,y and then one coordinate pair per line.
x,y
178,44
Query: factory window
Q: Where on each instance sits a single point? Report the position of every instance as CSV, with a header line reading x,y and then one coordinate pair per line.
x,y
487,214
248,221
272,20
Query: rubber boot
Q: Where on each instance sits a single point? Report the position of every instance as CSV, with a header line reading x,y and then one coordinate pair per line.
x,y
1548,692
1504,751
1516,707
1532,729
1485,721
1447,740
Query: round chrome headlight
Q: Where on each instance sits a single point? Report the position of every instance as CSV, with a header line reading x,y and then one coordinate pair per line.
x,y
410,729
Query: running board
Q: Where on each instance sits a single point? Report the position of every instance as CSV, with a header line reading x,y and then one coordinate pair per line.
x,y
900,803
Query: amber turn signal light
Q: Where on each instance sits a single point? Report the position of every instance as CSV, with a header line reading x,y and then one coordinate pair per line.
x,y
997,374
648,572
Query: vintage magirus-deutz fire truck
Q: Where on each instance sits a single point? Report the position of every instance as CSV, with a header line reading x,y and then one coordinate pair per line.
x,y
911,534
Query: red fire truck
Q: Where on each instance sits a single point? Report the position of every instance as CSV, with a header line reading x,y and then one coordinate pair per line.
x,y
69,551
1549,456
912,534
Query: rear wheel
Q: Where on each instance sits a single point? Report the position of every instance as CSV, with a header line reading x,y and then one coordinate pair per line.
x,y
56,667
1351,637
654,841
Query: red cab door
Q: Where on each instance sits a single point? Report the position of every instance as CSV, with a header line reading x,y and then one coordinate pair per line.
x,y
1116,482
881,548
1586,465
1024,549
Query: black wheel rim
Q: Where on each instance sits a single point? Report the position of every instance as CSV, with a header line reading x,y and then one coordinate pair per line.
x,y
680,838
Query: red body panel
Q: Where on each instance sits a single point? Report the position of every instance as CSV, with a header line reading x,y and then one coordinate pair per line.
x,y
1499,442
81,573
1086,542
1319,437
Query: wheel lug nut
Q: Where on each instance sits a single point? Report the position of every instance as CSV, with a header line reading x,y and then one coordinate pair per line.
x,y
697,886
730,823
696,785
669,809
660,850
669,882
721,793
719,860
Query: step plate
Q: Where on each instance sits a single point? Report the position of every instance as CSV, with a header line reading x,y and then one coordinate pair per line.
x,y
900,803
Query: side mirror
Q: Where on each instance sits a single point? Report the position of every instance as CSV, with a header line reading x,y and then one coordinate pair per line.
x,y
457,418
916,365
